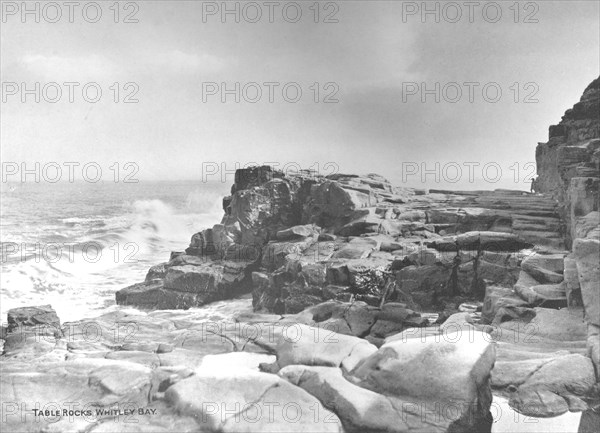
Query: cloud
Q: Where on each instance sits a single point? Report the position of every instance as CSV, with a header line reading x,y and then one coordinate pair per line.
x,y
59,68
180,62
98,67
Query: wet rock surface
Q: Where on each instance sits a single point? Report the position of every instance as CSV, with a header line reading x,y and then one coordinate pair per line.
x,y
197,371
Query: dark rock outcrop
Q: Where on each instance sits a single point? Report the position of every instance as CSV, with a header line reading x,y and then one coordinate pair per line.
x,y
298,240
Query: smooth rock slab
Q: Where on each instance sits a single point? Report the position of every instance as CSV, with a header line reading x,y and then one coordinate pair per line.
x,y
300,344
359,409
91,381
362,410
454,367
571,374
250,402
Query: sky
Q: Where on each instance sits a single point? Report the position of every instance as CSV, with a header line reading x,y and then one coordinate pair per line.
x,y
369,73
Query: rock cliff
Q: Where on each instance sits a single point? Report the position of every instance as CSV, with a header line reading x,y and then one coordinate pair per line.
x,y
568,165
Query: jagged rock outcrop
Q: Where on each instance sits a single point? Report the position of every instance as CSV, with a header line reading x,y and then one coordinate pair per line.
x,y
299,240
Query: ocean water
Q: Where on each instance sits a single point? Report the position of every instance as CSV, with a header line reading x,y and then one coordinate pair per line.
x,y
73,245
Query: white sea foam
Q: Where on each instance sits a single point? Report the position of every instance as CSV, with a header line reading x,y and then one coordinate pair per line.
x,y
76,251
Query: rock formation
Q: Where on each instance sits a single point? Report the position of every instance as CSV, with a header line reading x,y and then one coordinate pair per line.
x,y
569,170
375,308
298,240
568,165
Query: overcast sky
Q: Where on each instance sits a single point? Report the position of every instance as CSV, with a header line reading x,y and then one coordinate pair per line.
x,y
370,55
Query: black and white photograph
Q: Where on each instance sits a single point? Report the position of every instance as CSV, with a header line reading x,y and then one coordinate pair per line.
x,y
309,216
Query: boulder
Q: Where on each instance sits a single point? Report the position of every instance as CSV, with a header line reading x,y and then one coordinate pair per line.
x,y
156,272
547,390
155,296
193,279
41,316
362,223
296,343
275,253
497,298
454,368
250,401
544,268
359,409
357,248
557,325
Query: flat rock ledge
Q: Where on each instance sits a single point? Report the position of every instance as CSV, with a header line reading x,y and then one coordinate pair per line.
x,y
183,371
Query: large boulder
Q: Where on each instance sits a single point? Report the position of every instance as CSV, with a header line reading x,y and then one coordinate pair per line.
x,y
362,410
359,409
454,368
250,401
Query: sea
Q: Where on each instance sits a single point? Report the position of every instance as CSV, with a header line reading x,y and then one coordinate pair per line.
x,y
73,245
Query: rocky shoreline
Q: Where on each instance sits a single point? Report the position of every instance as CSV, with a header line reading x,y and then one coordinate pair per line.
x,y
374,309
